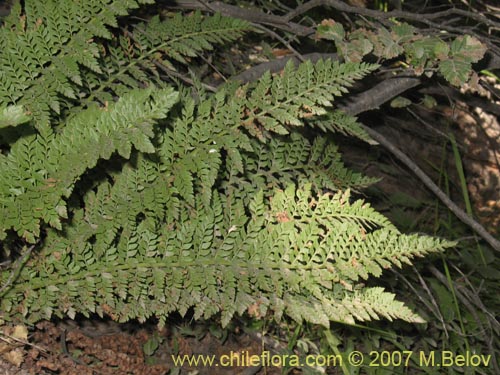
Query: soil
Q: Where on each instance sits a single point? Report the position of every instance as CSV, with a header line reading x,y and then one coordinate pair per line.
x,y
100,347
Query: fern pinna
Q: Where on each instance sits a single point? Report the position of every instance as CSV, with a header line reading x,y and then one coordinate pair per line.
x,y
143,199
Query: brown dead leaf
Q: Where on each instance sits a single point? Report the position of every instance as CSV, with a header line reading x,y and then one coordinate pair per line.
x,y
280,52
20,332
15,357
254,310
283,217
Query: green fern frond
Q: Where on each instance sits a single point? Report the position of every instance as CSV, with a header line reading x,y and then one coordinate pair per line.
x,y
40,171
300,93
278,259
141,55
283,160
43,52
145,201
340,122
183,37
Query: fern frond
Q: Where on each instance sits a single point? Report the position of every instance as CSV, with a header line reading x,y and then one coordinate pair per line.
x,y
195,204
43,52
284,160
281,259
39,171
300,93
183,37
340,122
141,55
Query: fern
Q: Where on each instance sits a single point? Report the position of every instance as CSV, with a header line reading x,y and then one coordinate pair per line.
x,y
44,50
299,251
40,171
339,122
305,92
154,46
284,160
143,200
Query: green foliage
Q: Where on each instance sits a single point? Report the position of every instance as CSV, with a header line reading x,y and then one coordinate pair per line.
x,y
421,53
39,171
44,48
155,46
299,93
158,201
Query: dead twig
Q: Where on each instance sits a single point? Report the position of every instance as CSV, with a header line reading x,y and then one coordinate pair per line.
x,y
251,15
468,300
282,40
284,22
378,95
5,338
418,17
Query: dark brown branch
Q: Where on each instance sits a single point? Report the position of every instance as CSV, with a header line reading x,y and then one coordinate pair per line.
x,y
378,95
339,5
251,15
275,66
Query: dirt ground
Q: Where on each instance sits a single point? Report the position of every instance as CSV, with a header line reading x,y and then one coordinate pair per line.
x,y
99,347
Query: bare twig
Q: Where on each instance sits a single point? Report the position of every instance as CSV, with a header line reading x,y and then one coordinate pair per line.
x,y
282,40
251,15
5,338
276,65
427,18
466,299
183,78
378,94
344,7
431,304
432,128
284,22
